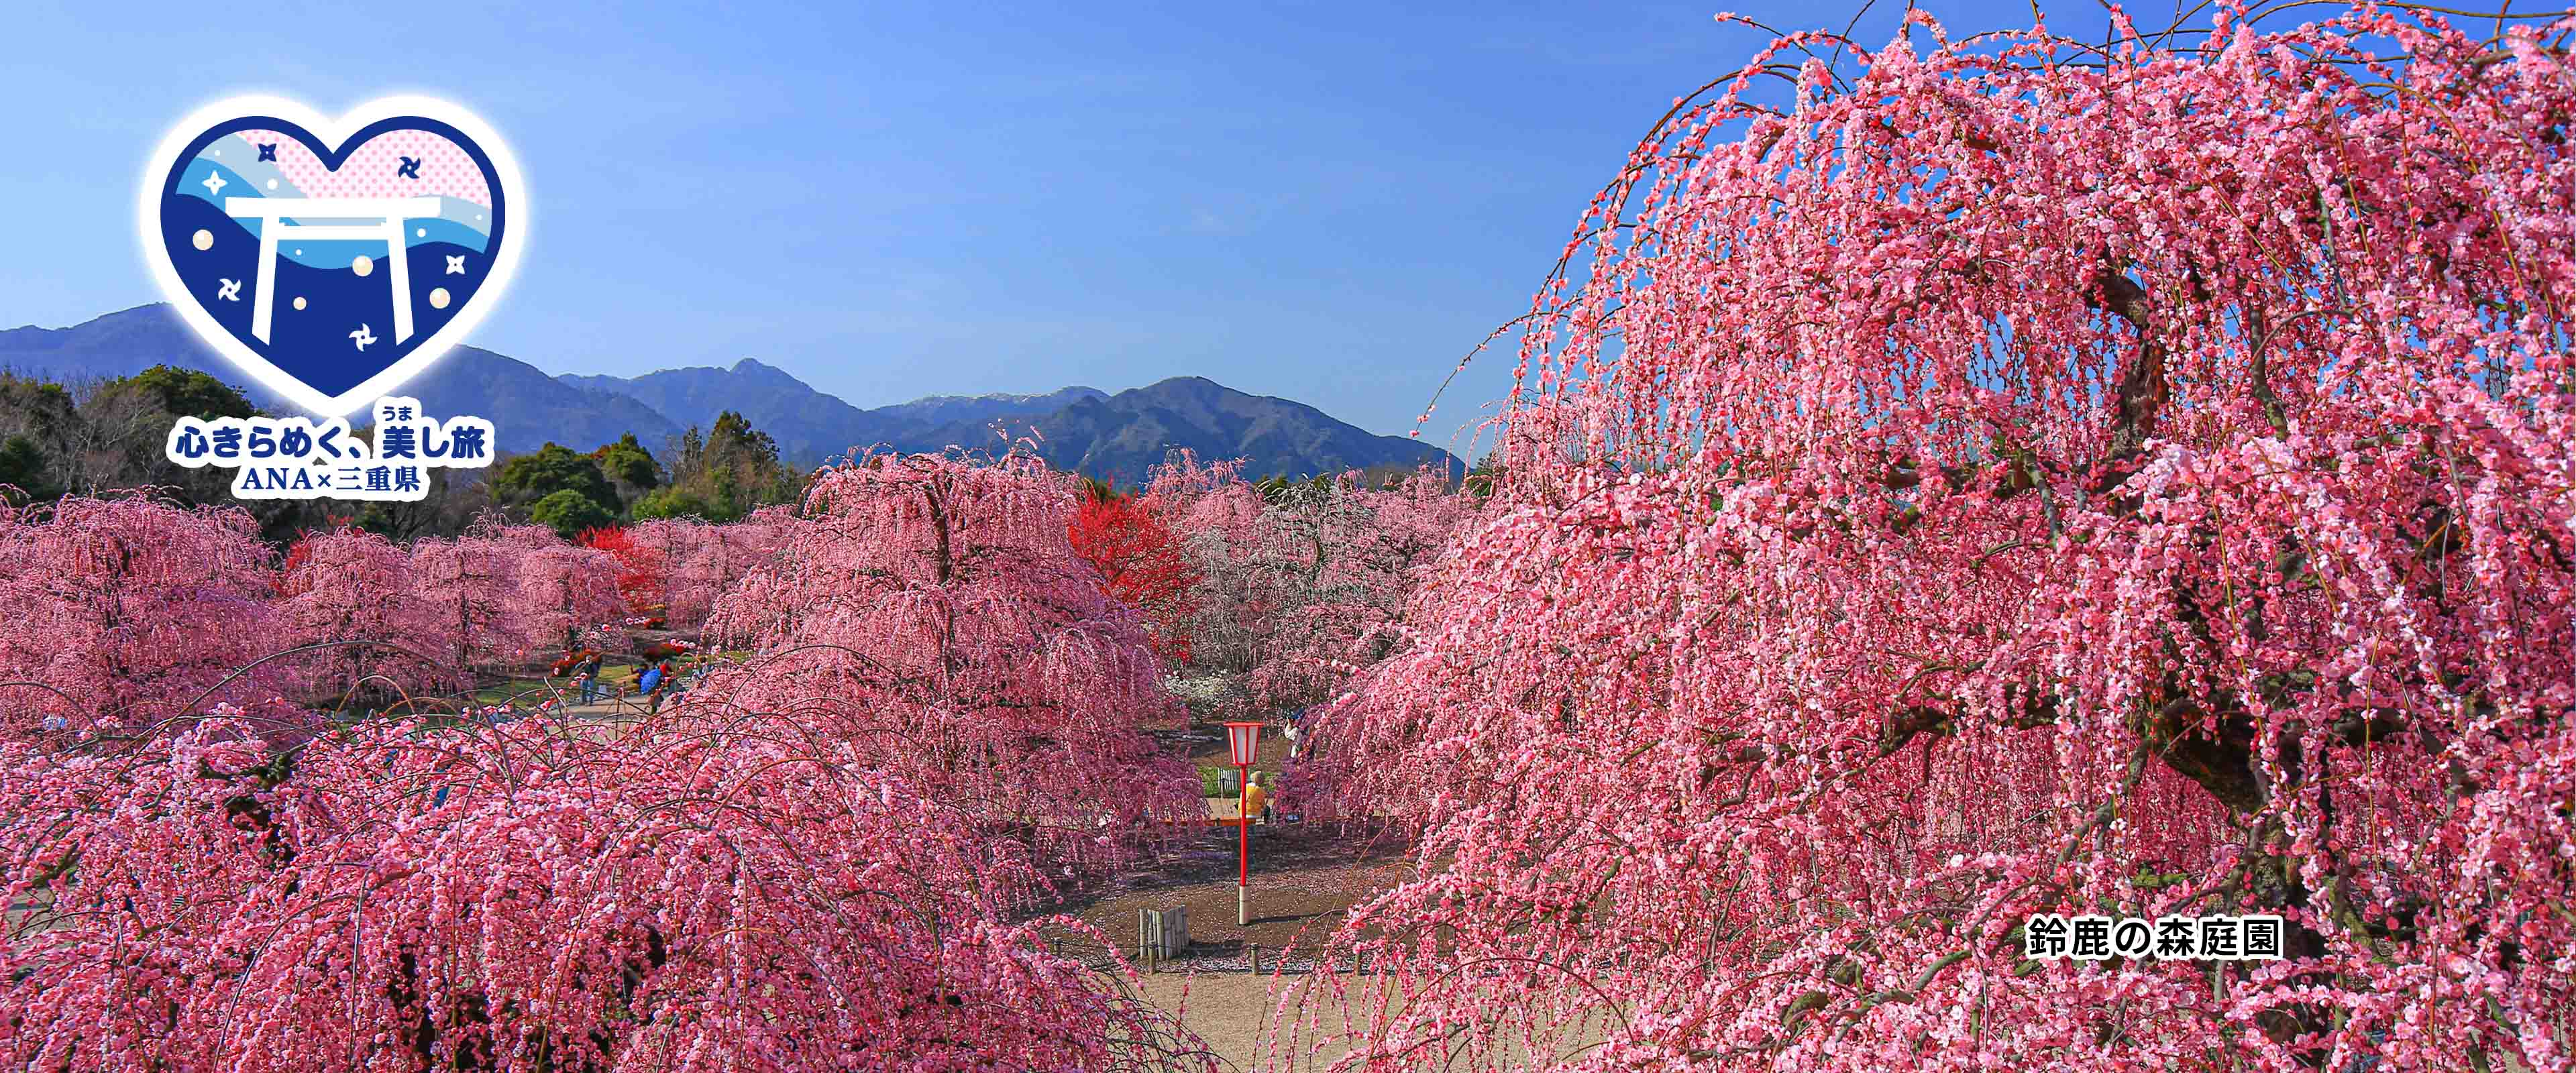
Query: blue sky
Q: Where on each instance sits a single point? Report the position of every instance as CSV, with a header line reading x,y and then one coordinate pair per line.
x,y
1328,204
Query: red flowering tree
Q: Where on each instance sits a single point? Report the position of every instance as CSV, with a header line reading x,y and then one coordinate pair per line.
x,y
931,612
758,877
643,575
118,612
2026,477
1124,537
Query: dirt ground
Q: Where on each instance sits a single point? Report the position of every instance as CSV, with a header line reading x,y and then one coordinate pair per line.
x,y
1239,1015
1298,1021
1304,880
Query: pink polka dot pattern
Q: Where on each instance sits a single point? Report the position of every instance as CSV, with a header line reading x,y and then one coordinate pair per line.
x,y
445,168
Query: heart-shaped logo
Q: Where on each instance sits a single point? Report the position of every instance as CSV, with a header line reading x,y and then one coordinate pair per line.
x,y
332,259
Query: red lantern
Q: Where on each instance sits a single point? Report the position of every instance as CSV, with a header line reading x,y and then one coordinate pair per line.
x,y
1240,738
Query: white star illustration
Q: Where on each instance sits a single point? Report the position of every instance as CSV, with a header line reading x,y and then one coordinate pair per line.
x,y
214,184
456,265
363,336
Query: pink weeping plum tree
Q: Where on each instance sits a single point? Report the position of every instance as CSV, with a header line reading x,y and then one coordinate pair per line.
x,y
562,587
693,894
1301,584
463,588
497,595
1217,514
930,613
701,561
116,613
348,593
1340,561
2014,475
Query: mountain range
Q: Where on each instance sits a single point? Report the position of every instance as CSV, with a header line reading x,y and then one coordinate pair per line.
x,y
809,425
1110,436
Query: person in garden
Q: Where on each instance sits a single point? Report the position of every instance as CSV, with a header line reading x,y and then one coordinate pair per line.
x,y
654,682
587,675
648,678
1256,801
680,684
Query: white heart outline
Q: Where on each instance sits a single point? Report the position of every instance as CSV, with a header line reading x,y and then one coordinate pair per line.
x,y
333,133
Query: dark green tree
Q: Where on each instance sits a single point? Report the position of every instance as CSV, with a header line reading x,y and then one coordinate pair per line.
x,y
672,503
43,414
629,466
187,393
569,512
25,472
731,469
41,409
527,479
1481,481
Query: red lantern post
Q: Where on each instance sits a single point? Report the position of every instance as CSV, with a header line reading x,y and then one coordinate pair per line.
x,y
1240,740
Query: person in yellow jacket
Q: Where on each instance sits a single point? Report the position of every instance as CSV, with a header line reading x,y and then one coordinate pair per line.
x,y
1256,802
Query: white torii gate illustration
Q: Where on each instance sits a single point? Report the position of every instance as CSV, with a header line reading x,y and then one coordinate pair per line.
x,y
389,212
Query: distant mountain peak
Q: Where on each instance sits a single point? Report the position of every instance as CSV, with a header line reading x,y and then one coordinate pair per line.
x,y
1124,436
983,409
754,367
1006,396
